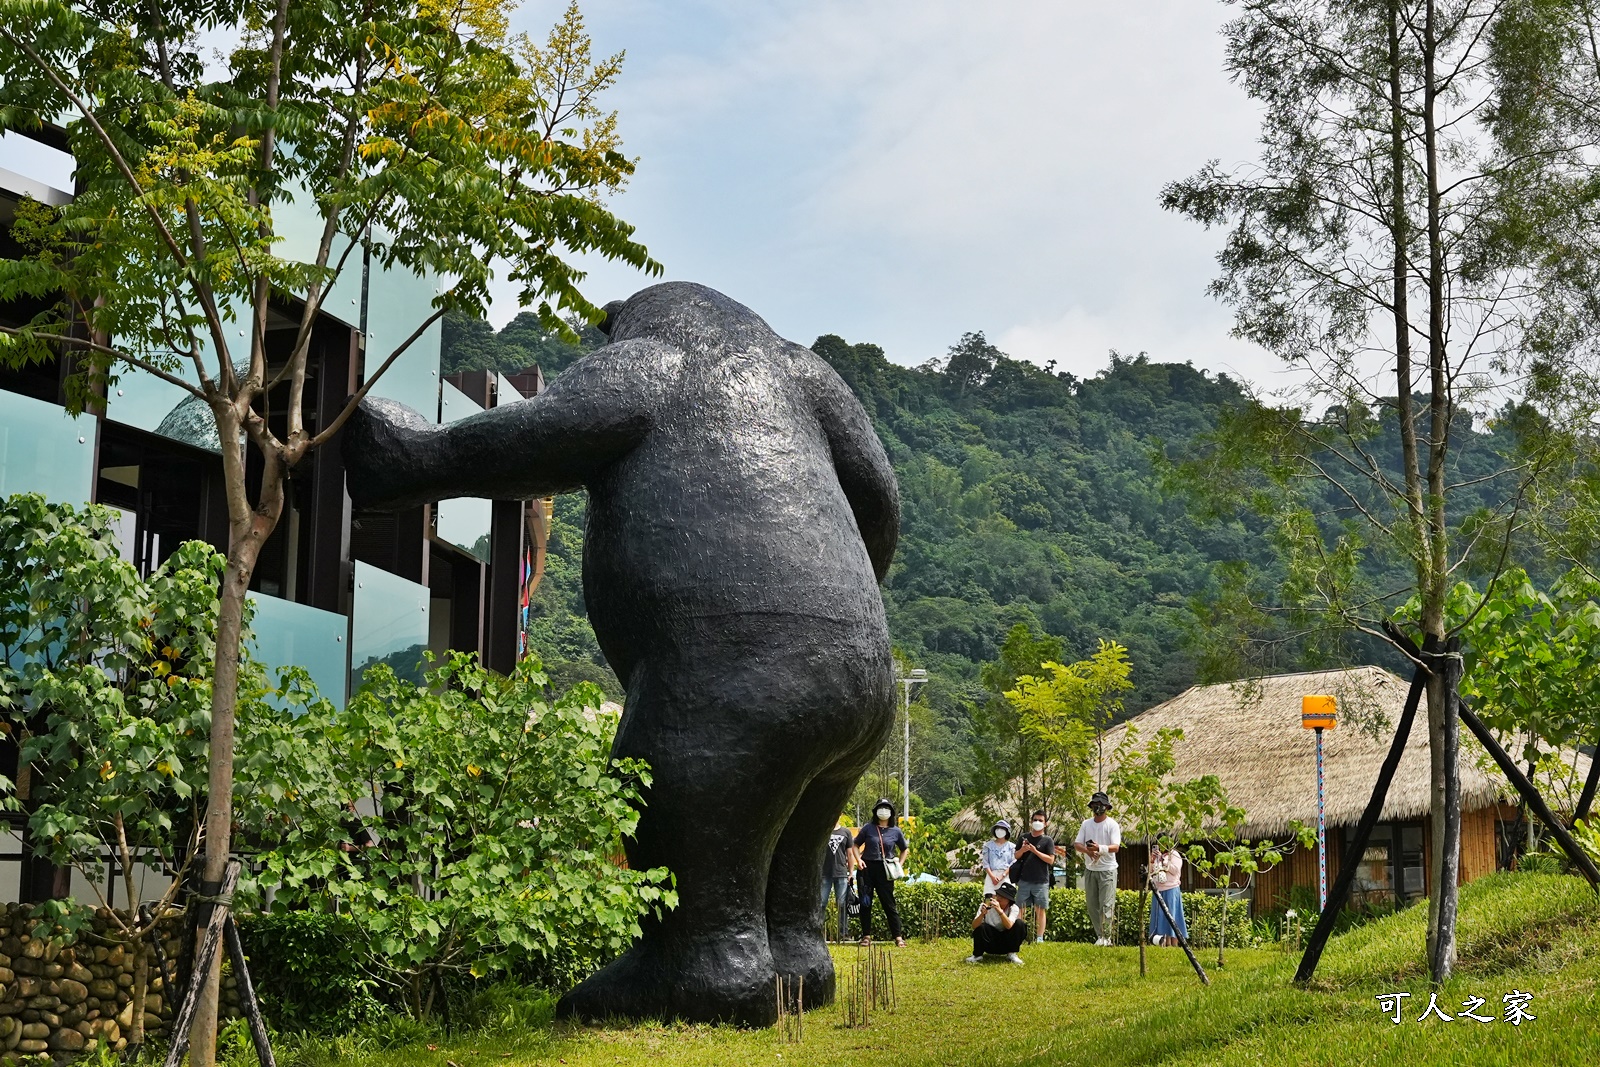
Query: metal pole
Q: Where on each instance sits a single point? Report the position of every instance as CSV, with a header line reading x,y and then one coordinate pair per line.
x,y
1322,838
905,767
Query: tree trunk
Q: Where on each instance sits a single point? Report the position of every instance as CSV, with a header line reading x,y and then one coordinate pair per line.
x,y
1445,743
1434,575
1222,932
1586,798
248,530
141,987
1144,917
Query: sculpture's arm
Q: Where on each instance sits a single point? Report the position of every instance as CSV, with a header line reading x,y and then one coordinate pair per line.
x,y
862,466
592,415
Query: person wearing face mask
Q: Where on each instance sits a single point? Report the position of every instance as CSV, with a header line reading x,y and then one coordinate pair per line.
x,y
1100,839
997,856
998,929
878,842
1036,855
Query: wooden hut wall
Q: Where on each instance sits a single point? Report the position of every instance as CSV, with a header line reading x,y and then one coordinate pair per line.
x,y
1477,843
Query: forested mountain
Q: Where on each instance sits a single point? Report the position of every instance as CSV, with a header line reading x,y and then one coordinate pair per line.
x,y
1029,497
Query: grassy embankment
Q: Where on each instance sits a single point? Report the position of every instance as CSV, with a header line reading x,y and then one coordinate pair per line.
x,y
1076,1004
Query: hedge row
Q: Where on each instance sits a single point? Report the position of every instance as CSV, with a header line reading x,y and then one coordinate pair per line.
x,y
951,906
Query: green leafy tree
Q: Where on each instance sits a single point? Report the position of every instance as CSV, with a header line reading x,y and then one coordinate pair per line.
x,y
1533,672
1009,753
422,136
1228,854
1066,714
463,825
105,684
1152,808
1357,251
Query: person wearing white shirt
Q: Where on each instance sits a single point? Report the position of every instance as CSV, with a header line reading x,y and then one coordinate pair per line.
x,y
1099,841
998,929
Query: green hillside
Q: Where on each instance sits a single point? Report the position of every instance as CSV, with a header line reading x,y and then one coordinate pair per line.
x,y
1029,497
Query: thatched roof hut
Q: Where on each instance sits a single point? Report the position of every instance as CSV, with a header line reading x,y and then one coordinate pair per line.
x,y
1249,734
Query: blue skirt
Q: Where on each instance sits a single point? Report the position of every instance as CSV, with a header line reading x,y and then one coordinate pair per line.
x,y
1159,927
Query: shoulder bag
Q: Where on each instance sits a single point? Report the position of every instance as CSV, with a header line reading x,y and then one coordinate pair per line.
x,y
891,864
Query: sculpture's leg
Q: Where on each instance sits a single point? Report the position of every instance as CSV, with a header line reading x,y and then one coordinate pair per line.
x,y
736,717
794,920
711,815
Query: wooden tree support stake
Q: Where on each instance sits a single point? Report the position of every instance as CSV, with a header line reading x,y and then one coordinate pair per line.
x,y
219,928
247,994
1536,804
1183,942
168,988
1357,845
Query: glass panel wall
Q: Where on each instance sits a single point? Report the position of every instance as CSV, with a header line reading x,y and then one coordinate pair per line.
x,y
148,403
504,392
289,634
388,624
44,450
299,224
465,521
398,301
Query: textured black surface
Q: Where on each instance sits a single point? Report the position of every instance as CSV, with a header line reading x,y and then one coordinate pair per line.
x,y
741,514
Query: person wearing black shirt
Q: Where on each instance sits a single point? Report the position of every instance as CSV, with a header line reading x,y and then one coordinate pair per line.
x,y
1036,856
838,863
877,841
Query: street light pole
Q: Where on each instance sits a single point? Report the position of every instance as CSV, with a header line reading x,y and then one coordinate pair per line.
x,y
916,677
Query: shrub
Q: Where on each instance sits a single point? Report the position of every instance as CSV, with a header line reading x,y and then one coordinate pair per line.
x,y
953,904
307,971
467,827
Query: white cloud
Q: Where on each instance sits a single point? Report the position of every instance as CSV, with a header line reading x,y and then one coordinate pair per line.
x,y
902,171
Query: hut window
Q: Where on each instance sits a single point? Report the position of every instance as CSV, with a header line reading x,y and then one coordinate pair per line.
x,y
1409,862
1374,883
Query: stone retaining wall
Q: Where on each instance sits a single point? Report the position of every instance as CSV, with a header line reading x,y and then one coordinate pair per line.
x,y
61,996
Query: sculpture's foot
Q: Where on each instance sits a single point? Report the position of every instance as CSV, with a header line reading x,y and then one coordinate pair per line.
x,y
723,981
803,953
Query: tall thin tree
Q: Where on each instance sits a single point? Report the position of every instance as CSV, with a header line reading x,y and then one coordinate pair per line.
x,y
1354,252
424,136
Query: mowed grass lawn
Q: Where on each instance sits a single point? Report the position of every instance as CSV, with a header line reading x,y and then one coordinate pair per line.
x,y
1076,1004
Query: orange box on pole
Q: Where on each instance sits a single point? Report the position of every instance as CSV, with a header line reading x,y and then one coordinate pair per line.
x,y
1319,712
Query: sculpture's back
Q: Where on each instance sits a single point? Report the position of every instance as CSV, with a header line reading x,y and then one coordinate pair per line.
x,y
741,512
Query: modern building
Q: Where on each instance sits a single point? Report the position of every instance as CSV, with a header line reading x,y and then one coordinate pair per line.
x,y
336,589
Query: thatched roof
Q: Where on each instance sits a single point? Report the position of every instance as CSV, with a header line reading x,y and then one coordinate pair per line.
x,y
1249,734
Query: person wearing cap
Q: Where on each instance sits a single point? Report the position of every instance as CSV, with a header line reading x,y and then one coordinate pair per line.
x,y
998,929
996,857
1099,841
878,841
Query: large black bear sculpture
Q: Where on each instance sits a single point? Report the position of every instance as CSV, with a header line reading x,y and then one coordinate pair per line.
x,y
741,514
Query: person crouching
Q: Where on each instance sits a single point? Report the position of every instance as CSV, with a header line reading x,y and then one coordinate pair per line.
x,y
997,929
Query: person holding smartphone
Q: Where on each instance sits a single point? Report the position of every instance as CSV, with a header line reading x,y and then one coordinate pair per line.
x,y
998,929
1099,841
1036,856
996,857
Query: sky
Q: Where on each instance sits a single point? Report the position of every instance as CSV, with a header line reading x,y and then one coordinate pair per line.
x,y
904,171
